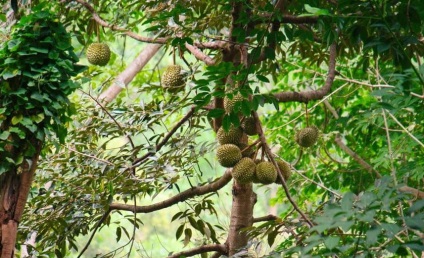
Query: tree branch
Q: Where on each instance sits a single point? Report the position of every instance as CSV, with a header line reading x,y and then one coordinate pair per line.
x,y
265,218
267,150
166,138
189,193
306,96
131,34
222,249
405,189
200,55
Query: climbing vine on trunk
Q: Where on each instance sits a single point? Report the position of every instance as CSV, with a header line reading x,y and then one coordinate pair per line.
x,y
36,68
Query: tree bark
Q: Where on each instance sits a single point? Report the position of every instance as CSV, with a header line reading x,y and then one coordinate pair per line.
x,y
15,187
241,216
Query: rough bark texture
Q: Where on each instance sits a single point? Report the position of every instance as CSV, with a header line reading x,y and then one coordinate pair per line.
x,y
15,186
241,216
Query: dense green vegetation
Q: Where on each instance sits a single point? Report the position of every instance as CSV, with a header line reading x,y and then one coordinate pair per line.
x,y
351,68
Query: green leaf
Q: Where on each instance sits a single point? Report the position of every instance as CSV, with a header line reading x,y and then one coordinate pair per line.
x,y
262,78
316,11
38,118
372,236
187,236
193,222
17,119
4,135
176,216
226,122
118,234
179,231
415,222
347,201
39,50
271,237
216,112
19,132
331,242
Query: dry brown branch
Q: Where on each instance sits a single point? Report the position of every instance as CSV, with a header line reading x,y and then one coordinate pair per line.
x,y
306,96
221,249
187,194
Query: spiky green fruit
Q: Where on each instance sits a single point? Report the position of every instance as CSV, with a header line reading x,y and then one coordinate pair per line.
x,y
230,103
233,135
98,54
244,171
249,126
266,172
228,155
307,136
173,79
247,152
284,168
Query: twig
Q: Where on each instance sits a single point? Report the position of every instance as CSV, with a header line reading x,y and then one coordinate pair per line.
x,y
93,157
166,138
406,189
355,156
131,34
96,227
267,150
319,184
405,130
265,218
220,248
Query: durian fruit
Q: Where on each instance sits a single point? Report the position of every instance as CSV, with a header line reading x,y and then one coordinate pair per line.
x,y
247,153
228,155
98,54
244,171
266,172
255,177
249,126
230,103
307,136
284,168
173,79
233,135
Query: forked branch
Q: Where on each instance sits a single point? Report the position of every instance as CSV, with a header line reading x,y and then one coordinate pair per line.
x,y
306,96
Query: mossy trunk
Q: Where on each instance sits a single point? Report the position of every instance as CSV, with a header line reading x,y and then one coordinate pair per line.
x,y
14,189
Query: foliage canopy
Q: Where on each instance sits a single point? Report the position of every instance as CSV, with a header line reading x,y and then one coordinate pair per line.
x,y
352,68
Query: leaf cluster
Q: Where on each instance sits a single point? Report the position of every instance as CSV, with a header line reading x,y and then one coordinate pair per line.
x,y
36,68
362,225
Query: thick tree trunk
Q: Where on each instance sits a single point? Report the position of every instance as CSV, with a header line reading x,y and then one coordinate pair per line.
x,y
14,189
241,216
